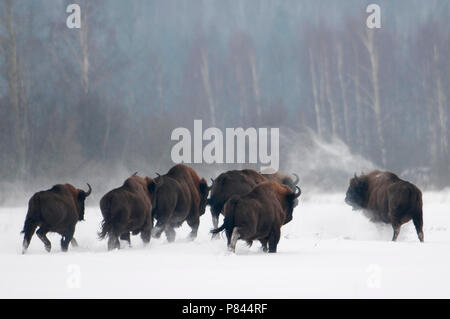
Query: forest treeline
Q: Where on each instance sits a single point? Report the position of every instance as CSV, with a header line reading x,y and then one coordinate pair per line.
x,y
111,92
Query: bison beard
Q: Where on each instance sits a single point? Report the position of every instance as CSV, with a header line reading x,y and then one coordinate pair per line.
x,y
55,210
126,209
387,198
181,196
258,215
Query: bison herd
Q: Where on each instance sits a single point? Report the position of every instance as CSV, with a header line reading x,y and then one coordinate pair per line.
x,y
255,206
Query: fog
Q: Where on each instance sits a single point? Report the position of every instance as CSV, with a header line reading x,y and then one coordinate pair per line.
x,y
99,103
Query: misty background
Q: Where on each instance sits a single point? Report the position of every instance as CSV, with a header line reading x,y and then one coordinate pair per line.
x,y
98,103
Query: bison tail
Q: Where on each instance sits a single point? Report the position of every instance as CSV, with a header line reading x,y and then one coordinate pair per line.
x,y
220,229
29,226
33,215
106,228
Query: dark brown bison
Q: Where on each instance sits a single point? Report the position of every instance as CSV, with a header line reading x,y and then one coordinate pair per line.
x,y
384,197
282,179
235,182
259,215
55,210
178,196
126,209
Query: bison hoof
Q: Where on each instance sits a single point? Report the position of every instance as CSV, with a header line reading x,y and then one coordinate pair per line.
x,y
48,248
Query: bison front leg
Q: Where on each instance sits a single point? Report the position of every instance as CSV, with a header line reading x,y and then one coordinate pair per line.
x,y
170,234
396,228
42,234
215,221
274,238
66,239
74,242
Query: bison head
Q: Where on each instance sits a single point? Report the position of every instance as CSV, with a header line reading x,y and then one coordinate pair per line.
x,y
356,192
292,199
81,197
204,192
290,182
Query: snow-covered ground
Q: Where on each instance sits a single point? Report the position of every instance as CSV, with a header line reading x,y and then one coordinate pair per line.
x,y
327,251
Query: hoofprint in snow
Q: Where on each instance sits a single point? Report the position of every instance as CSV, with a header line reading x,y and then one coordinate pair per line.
x,y
327,251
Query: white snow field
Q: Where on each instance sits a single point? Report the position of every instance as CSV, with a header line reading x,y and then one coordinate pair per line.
x,y
327,251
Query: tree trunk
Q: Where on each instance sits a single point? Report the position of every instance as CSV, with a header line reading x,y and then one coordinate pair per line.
x,y
207,86
315,94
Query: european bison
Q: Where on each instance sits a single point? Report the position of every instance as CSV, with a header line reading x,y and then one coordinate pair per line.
x,y
181,196
259,215
384,197
282,179
126,209
57,209
235,182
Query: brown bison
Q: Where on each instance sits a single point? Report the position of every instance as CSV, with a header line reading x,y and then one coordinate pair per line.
x,y
259,215
58,210
384,197
127,209
178,196
282,179
235,182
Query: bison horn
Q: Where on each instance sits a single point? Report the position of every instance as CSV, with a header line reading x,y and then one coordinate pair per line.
x,y
356,177
297,179
298,193
89,191
160,181
134,174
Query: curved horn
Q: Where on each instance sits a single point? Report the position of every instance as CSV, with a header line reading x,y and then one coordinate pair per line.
x,y
356,177
134,174
89,191
298,192
297,179
160,181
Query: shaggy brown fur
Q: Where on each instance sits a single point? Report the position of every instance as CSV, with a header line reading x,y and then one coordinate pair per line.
x,y
259,215
127,209
181,196
55,210
235,182
384,197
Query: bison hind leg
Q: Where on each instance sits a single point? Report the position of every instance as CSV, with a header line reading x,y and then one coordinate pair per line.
x,y
170,234
113,242
42,234
126,236
264,244
234,238
146,235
